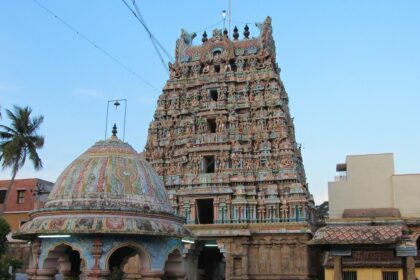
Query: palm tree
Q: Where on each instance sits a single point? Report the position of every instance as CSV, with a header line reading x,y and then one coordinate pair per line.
x,y
20,140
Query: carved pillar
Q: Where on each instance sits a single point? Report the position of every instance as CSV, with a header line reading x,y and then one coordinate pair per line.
x,y
229,214
96,273
192,218
304,212
338,271
216,210
228,259
245,259
34,263
409,268
291,212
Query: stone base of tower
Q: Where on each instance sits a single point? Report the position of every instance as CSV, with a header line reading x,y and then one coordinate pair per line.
x,y
252,251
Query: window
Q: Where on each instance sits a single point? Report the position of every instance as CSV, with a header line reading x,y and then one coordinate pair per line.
x,y
20,197
349,275
209,164
2,195
390,275
205,211
217,68
213,94
211,124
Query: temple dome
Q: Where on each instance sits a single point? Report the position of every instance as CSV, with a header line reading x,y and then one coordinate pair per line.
x,y
110,188
110,175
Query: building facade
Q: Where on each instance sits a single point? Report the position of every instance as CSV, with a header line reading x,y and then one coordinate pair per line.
x,y
369,181
374,226
223,141
25,196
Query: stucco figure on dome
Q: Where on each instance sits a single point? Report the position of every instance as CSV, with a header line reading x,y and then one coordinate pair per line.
x,y
108,211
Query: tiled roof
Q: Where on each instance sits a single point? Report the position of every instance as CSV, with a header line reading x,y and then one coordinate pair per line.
x,y
358,234
380,258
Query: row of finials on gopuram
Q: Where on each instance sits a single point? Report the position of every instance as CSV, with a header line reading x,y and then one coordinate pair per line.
x,y
223,127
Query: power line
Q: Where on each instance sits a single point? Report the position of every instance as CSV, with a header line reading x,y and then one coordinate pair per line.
x,y
96,46
150,33
136,13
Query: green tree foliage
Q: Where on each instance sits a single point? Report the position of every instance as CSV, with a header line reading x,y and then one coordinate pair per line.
x,y
5,260
4,230
322,212
19,141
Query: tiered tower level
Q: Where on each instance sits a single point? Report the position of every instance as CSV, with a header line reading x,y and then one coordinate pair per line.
x,y
223,141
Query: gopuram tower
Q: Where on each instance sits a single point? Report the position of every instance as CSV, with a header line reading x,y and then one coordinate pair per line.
x,y
223,141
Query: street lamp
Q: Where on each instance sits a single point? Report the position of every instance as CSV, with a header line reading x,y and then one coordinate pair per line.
x,y
224,18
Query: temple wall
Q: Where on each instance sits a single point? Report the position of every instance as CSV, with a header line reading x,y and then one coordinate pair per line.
x,y
268,256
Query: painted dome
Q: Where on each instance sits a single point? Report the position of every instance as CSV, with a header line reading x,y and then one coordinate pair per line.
x,y
110,188
110,175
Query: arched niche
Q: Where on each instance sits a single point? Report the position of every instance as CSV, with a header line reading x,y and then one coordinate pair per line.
x,y
64,260
174,267
128,260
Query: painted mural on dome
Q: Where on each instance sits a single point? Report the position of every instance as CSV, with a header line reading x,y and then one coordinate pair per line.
x,y
104,224
118,179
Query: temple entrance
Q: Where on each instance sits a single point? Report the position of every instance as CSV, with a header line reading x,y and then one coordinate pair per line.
x,y
127,263
64,262
174,268
211,262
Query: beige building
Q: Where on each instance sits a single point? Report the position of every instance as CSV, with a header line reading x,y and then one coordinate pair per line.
x,y
373,231
369,181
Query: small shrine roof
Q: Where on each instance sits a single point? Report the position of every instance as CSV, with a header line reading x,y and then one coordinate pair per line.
x,y
109,189
358,234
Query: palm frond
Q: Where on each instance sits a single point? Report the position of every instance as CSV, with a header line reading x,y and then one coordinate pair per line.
x,y
20,139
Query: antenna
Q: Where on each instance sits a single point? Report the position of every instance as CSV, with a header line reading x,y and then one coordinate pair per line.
x,y
117,102
230,15
224,19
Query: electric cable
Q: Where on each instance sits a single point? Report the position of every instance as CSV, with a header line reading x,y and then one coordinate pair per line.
x,y
152,38
99,48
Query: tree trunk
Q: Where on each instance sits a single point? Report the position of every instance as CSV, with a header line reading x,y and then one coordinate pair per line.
x,y
9,187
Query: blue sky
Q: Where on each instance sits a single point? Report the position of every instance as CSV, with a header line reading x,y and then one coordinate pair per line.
x,y
351,68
